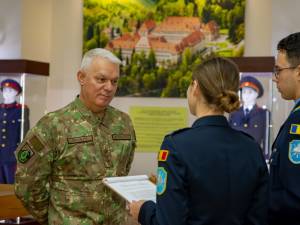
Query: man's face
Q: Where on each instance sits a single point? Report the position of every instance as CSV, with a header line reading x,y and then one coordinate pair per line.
x,y
98,83
249,95
9,93
286,78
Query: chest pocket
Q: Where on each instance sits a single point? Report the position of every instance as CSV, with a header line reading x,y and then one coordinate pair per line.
x,y
275,166
81,159
122,152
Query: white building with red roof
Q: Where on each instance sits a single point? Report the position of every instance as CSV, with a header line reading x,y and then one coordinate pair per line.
x,y
167,39
175,28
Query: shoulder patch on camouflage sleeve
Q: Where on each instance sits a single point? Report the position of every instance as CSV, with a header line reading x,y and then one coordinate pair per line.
x,y
36,143
29,150
25,154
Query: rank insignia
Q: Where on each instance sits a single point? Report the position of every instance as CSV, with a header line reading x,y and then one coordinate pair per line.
x,y
163,155
25,154
161,180
295,129
294,151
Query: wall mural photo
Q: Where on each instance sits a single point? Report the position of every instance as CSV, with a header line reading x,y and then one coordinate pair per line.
x,y
160,41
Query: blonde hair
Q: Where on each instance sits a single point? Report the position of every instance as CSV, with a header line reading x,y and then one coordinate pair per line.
x,y
218,80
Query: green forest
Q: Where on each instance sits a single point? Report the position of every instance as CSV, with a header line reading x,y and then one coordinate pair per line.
x,y
141,76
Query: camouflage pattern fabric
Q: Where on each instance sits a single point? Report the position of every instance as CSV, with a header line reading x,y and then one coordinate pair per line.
x,y
62,160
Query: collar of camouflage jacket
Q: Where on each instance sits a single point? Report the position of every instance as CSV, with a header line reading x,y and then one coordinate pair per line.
x,y
88,114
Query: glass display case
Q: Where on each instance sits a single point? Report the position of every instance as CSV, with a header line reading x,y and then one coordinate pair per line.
x,y
256,115
23,85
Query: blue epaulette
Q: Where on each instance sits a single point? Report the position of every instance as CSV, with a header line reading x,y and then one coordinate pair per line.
x,y
296,109
178,131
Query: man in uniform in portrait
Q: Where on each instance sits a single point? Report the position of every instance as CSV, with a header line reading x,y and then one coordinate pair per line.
x,y
11,125
250,117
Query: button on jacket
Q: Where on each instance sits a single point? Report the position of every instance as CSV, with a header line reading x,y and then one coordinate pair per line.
x,y
63,159
285,172
209,174
10,130
10,135
254,124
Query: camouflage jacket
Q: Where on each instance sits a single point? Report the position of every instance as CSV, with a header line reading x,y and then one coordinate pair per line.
x,y
62,160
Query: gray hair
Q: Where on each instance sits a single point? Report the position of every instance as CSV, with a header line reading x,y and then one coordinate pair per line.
x,y
98,52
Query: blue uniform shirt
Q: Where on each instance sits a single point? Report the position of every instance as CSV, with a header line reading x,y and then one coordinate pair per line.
x,y
209,174
284,207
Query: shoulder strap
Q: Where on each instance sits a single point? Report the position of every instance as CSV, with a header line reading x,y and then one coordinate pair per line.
x,y
296,109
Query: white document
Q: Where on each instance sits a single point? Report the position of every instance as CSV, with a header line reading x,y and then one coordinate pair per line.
x,y
132,188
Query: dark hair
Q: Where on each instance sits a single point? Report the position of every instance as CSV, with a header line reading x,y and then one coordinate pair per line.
x,y
218,80
291,45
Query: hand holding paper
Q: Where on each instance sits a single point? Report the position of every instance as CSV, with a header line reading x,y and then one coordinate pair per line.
x,y
134,208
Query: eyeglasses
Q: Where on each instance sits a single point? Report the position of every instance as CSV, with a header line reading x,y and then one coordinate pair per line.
x,y
277,70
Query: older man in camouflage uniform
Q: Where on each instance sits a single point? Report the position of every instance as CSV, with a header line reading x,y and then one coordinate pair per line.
x,y
63,159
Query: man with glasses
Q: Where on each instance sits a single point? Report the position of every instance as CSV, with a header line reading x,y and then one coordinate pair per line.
x,y
285,160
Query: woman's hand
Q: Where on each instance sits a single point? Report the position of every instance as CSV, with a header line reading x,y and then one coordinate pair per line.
x,y
134,208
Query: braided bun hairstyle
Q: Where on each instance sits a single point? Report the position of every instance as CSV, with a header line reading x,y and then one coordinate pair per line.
x,y
218,80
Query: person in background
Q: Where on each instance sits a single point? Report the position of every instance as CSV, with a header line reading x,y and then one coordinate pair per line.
x,y
250,117
284,207
209,173
63,159
11,125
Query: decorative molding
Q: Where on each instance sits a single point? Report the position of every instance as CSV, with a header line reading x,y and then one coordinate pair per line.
x,y
245,64
255,64
24,66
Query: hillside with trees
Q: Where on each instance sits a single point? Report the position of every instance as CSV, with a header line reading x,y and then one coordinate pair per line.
x,y
141,75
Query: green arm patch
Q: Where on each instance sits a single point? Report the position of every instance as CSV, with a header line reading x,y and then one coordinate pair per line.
x,y
24,154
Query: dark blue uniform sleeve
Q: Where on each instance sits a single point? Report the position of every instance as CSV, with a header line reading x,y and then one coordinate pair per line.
x,y
285,173
172,197
290,159
258,211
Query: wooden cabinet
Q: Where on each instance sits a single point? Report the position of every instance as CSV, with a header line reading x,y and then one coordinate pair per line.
x,y
10,205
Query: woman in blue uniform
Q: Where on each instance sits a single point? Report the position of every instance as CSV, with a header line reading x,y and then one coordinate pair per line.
x,y
209,173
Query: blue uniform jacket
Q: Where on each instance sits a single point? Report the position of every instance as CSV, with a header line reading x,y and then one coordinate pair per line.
x,y
285,173
10,130
254,124
212,174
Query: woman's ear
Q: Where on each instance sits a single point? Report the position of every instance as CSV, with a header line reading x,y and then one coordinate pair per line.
x,y
195,88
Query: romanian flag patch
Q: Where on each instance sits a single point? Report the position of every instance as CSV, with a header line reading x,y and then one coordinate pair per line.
x,y
163,155
295,129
